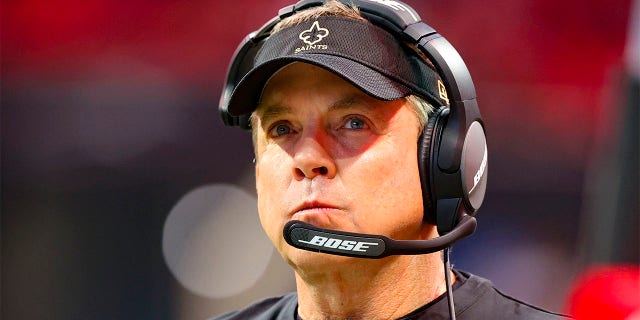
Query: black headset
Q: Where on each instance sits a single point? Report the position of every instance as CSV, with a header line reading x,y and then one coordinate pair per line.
x,y
452,151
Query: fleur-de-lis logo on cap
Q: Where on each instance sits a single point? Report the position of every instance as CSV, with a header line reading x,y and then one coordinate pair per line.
x,y
314,35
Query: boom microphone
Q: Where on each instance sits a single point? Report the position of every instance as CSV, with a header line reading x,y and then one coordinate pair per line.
x,y
307,237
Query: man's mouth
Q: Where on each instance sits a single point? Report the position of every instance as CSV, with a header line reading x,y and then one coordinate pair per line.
x,y
315,207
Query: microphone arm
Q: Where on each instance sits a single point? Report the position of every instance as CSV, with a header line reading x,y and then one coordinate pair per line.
x,y
307,237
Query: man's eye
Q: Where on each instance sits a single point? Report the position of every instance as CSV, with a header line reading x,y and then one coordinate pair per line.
x,y
279,130
355,123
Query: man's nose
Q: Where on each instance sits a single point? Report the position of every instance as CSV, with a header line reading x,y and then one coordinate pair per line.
x,y
313,158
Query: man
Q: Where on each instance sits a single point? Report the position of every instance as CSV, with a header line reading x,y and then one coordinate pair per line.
x,y
336,114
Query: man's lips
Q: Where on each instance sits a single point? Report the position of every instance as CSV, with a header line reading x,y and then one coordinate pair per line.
x,y
315,207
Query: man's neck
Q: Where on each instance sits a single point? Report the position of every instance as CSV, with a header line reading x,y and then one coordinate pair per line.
x,y
371,289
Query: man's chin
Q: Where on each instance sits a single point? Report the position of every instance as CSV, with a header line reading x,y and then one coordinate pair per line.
x,y
309,260
310,263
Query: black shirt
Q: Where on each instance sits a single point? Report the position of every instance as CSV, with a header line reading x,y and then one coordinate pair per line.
x,y
475,298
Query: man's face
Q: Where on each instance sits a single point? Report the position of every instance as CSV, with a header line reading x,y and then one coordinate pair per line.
x,y
332,156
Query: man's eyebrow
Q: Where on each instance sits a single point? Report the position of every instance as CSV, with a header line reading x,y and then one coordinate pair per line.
x,y
347,102
269,112
361,104
273,111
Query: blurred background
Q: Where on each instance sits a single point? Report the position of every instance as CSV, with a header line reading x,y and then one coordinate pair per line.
x,y
123,195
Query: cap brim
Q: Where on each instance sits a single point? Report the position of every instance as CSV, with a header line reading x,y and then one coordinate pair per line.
x,y
247,94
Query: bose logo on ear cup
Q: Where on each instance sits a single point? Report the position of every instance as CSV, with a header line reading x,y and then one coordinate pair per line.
x,y
480,172
475,164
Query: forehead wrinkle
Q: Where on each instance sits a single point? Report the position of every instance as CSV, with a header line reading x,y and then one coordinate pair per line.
x,y
355,101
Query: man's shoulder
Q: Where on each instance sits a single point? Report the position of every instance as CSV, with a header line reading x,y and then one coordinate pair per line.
x,y
480,299
283,307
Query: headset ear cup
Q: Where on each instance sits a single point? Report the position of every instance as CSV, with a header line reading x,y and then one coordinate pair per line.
x,y
426,145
